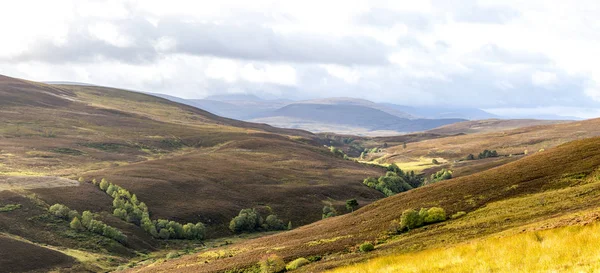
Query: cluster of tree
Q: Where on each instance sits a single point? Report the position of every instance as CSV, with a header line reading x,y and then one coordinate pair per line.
x,y
338,152
440,175
412,219
395,181
367,151
129,208
487,153
87,222
351,204
329,211
249,220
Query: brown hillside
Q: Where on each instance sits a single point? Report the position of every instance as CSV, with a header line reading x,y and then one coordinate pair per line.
x,y
552,169
516,141
490,125
185,163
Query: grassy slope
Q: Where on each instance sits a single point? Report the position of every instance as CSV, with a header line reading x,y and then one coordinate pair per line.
x,y
515,141
185,163
481,194
490,125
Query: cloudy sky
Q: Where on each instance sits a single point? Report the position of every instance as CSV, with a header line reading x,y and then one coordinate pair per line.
x,y
511,57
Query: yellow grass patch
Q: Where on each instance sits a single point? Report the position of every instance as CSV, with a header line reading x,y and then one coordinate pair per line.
x,y
568,249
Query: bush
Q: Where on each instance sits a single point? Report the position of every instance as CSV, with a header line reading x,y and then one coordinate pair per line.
x,y
458,214
295,264
172,255
410,219
366,247
488,153
440,175
104,184
434,215
351,204
434,161
247,220
272,264
273,223
394,181
328,211
470,157
60,211
76,224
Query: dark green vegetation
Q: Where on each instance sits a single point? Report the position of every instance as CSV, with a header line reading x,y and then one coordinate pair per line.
x,y
249,220
10,207
395,181
554,187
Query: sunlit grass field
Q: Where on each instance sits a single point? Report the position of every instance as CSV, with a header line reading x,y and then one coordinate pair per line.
x,y
567,249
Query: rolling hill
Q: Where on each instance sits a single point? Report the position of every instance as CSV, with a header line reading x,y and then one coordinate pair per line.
x,y
554,188
185,163
346,118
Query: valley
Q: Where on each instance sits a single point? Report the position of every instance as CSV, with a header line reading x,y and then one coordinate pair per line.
x,y
136,164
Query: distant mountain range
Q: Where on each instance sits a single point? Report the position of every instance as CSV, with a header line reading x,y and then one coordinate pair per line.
x,y
341,115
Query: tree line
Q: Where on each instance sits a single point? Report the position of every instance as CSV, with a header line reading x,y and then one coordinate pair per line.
x,y
86,221
129,208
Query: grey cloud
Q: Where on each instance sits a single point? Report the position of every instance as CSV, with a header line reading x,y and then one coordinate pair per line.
x,y
253,42
246,42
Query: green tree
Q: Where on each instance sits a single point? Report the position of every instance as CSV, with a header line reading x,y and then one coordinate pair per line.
x,y
76,224
410,219
248,220
329,211
164,234
273,223
121,213
290,227
470,157
60,211
86,218
434,215
103,184
351,204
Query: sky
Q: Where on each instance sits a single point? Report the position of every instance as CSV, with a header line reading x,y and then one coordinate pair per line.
x,y
510,57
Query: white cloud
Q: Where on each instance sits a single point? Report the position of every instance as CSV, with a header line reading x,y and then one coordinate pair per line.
x,y
486,53
541,78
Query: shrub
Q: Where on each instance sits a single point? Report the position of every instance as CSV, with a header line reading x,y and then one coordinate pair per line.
x,y
434,215
470,157
86,218
60,211
273,223
272,264
488,153
295,264
247,220
104,184
76,224
440,175
351,204
172,255
10,207
458,214
366,247
434,161
328,211
410,219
